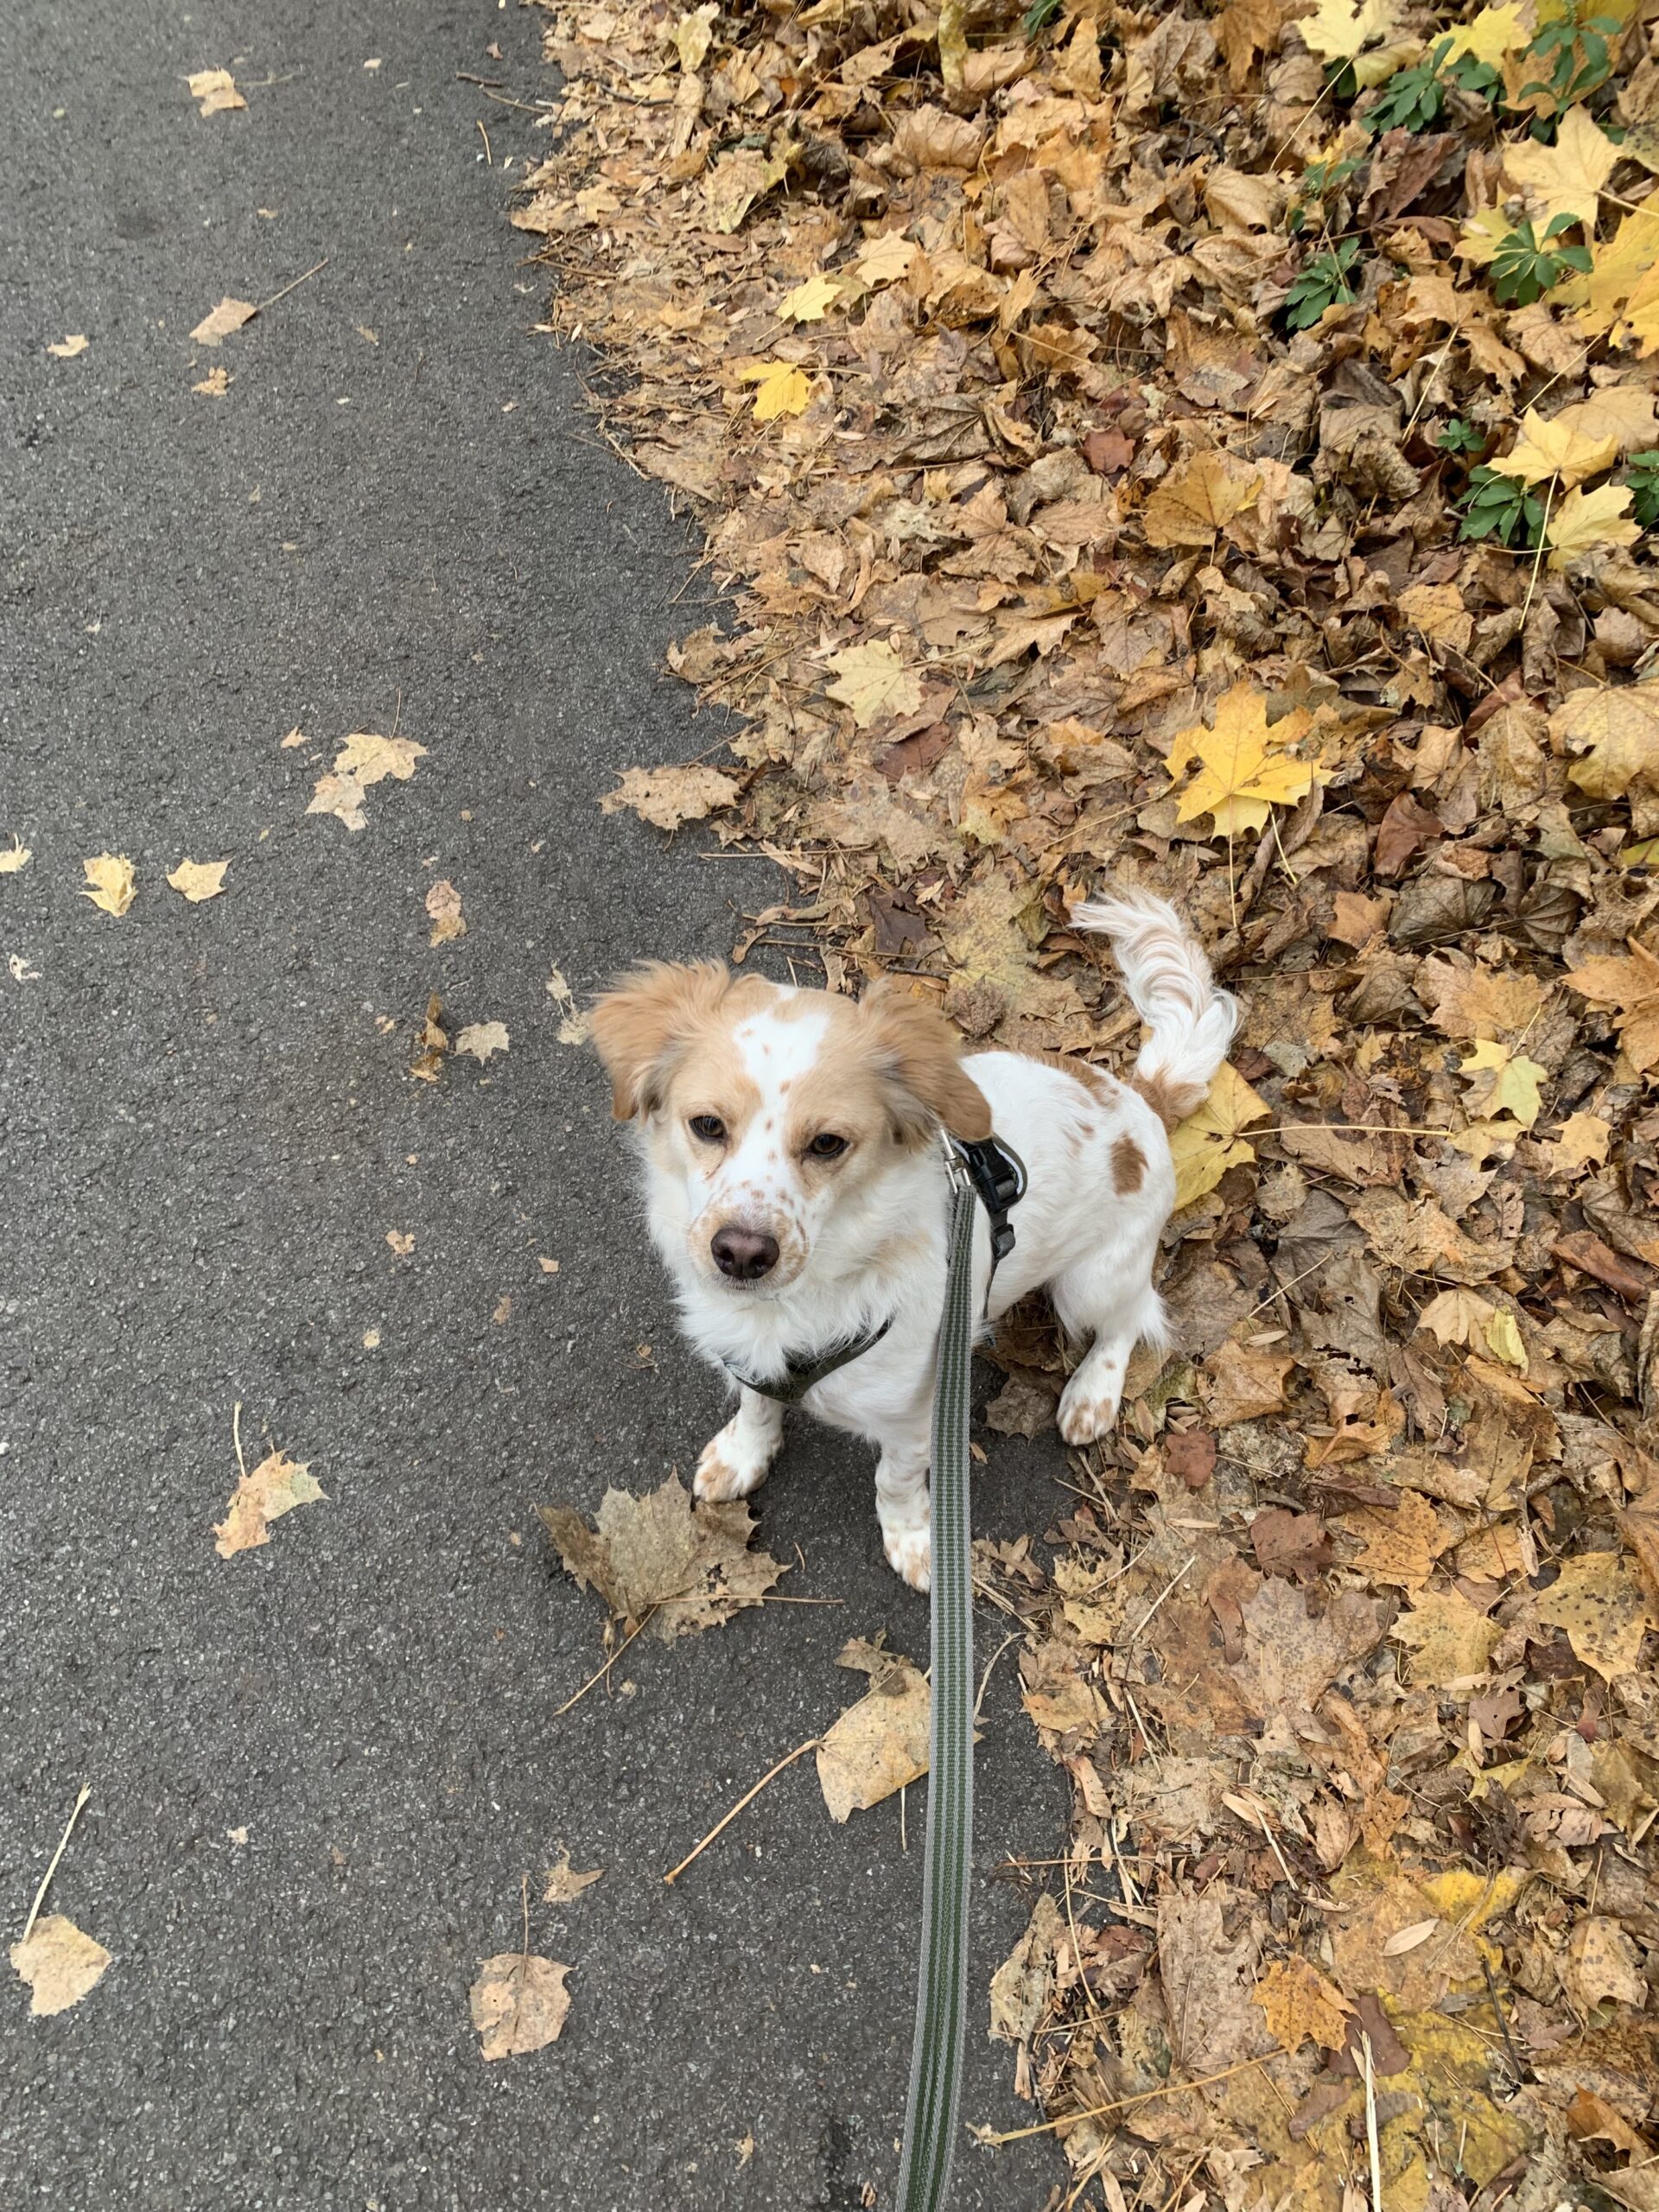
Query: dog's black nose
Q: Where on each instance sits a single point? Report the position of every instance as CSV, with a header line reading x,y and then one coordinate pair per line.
x,y
744,1254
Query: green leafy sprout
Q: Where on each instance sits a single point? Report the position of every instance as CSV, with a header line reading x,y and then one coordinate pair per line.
x,y
1501,507
1412,98
1643,481
1524,267
1317,181
1578,50
1460,436
1323,284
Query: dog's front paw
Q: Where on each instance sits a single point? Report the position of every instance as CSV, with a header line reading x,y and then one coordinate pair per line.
x,y
728,1469
1085,1413
910,1551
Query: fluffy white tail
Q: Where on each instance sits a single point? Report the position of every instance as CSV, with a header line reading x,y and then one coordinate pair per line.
x,y
1168,979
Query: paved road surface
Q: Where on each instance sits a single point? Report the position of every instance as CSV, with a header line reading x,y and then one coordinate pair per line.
x,y
206,1132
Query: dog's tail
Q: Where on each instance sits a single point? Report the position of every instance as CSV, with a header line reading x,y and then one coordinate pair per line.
x,y
1169,981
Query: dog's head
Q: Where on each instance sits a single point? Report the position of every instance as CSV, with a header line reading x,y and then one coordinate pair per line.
x,y
772,1115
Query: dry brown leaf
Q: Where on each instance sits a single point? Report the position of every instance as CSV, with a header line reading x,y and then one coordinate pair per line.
x,y
663,1560
59,1963
276,1485
228,317
214,91
199,880
667,797
443,909
1199,499
1302,2007
110,882
880,1744
1600,1601
480,1039
519,2004
562,1883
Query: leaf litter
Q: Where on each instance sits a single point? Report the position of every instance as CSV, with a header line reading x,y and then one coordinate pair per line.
x,y
662,1562
1217,450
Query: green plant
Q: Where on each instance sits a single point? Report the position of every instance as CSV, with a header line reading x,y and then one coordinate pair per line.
x,y
1460,436
1323,284
1499,506
1412,98
1317,181
1477,77
1579,58
1038,17
1643,480
1524,267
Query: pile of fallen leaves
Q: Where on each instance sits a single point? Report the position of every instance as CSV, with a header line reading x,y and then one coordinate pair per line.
x,y
1218,450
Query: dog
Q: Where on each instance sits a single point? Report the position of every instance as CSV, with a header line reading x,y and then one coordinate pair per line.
x,y
797,1187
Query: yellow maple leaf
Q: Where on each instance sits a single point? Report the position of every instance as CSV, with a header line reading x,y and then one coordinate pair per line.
x,y
1488,37
1245,767
199,880
1582,1142
1617,734
1451,1641
783,389
276,1485
1567,178
1584,520
1208,1143
1199,499
1504,1339
1601,1602
1515,1081
888,258
1640,320
1483,234
1301,2006
810,301
874,683
110,882
1338,29
1616,269
1559,447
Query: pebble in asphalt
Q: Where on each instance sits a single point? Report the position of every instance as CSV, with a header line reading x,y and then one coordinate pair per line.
x,y
207,1131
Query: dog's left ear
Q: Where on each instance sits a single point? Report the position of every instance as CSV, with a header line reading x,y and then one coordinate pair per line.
x,y
919,1056
645,1020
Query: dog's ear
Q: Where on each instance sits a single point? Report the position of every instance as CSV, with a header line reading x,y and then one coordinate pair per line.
x,y
646,1019
919,1059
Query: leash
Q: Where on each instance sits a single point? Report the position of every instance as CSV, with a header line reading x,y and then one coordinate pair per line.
x,y
989,1175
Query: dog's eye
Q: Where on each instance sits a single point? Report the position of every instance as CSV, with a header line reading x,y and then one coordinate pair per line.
x,y
707,1127
827,1146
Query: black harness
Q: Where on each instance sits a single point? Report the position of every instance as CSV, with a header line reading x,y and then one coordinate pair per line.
x,y
998,1175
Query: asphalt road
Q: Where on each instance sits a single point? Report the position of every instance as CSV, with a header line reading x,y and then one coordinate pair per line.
x,y
208,1130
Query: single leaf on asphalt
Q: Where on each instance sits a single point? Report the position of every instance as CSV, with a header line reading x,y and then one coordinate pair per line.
x,y
66,348
880,1743
1208,1143
60,1964
1302,2007
214,385
276,1485
874,683
402,1242
1244,768
667,797
661,1558
480,1039
443,908
110,882
230,315
16,857
563,1882
781,389
215,90
519,2004
574,1024
1603,1604
365,758
199,880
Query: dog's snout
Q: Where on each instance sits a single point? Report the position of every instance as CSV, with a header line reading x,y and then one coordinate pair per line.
x,y
744,1254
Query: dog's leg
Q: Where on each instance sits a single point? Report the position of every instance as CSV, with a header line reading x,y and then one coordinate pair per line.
x,y
902,1504
1108,1297
736,1462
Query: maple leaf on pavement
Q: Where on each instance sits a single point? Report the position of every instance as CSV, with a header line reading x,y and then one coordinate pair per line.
x,y
669,796
661,1558
110,882
1244,765
276,1485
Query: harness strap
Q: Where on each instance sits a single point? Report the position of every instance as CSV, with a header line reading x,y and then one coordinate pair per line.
x,y
802,1374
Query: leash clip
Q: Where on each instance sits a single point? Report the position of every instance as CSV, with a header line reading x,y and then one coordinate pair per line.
x,y
995,1172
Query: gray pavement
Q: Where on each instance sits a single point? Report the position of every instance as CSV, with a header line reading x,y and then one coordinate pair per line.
x,y
206,1132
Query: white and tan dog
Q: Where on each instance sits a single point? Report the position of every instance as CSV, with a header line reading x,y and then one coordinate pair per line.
x,y
797,1191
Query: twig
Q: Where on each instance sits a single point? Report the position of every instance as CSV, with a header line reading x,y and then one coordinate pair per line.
x,y
985,1679
1159,1600
748,1797
46,1878
294,287
485,136
1543,541
1370,2121
1120,2104
603,1671
236,1437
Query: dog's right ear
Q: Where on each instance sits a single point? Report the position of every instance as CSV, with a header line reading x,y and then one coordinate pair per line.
x,y
643,1023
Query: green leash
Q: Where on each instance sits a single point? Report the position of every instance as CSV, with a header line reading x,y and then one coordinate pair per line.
x,y
942,1989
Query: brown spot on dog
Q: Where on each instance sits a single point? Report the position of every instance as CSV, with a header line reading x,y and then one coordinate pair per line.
x,y
1085,1128
1172,1102
1128,1167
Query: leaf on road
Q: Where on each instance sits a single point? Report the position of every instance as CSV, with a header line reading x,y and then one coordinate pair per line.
x,y
575,1025
562,1883
60,1964
216,326
199,880
215,90
276,1485
519,2004
67,348
480,1039
443,909
15,857
110,882
879,1745
680,1566
1245,767
364,759
214,385
667,797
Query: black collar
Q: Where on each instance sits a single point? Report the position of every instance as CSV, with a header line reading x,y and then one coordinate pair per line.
x,y
998,1175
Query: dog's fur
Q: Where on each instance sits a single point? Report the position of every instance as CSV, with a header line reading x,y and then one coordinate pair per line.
x,y
860,1238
